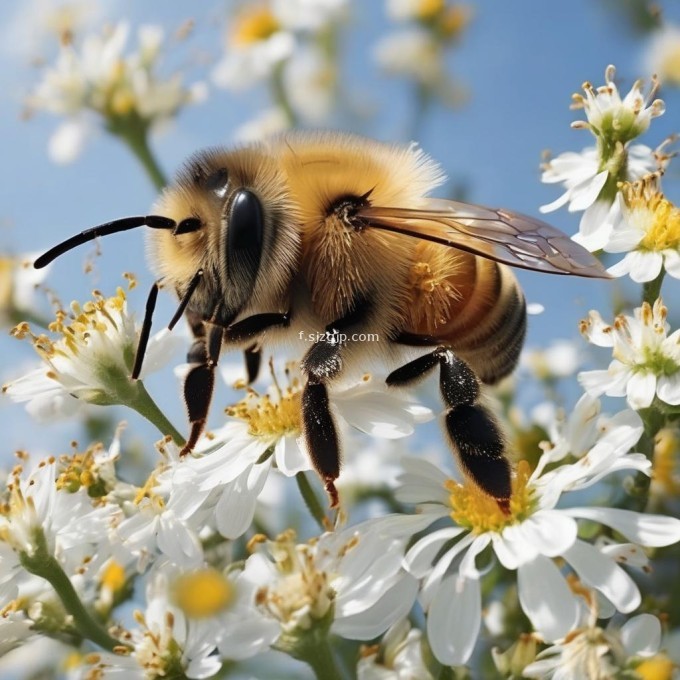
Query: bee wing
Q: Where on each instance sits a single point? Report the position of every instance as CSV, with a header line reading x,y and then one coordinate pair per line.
x,y
501,235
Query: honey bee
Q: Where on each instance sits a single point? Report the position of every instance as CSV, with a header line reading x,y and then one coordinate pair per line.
x,y
334,234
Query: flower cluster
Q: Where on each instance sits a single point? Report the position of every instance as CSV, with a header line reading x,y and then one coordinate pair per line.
x,y
592,177
125,91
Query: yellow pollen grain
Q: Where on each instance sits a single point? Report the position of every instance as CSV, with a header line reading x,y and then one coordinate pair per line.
x,y
253,26
479,512
203,593
267,417
659,667
659,218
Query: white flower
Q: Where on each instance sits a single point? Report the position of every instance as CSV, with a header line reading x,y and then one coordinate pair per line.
x,y
90,362
527,539
398,657
257,43
663,54
165,641
351,580
237,458
649,232
597,654
99,78
309,15
411,52
646,359
559,360
19,281
591,176
265,124
310,79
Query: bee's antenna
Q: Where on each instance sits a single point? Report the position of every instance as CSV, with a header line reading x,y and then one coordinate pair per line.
x,y
153,221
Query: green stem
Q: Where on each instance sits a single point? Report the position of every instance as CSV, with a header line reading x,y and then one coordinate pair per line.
x,y
652,289
278,90
134,132
314,648
311,501
146,406
46,566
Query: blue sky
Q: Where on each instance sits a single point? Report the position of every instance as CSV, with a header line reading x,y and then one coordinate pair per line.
x,y
520,62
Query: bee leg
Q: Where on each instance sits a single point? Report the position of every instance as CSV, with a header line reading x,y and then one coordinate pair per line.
x,y
197,352
199,386
321,364
472,429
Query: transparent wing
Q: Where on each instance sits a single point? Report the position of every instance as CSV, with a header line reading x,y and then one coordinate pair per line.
x,y
501,235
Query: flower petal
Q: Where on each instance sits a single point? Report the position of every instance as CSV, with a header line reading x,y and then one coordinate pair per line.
x,y
641,635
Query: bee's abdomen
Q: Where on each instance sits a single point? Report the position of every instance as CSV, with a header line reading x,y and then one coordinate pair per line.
x,y
485,320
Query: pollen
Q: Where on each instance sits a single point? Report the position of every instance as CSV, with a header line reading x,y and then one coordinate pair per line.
x,y
650,211
113,578
254,25
276,413
203,593
479,512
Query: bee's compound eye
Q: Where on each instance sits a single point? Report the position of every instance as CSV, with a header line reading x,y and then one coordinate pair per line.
x,y
217,182
246,224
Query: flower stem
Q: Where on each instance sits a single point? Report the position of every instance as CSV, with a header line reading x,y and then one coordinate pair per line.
x,y
314,648
134,132
278,90
652,289
311,501
46,566
146,407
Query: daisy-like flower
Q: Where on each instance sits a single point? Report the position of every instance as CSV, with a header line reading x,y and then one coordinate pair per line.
x,y
399,656
90,360
165,644
528,539
257,43
411,52
231,465
350,582
591,177
646,359
649,232
559,360
596,653
122,90
265,124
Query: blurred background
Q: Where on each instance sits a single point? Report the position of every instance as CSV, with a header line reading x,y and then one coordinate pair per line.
x,y
486,96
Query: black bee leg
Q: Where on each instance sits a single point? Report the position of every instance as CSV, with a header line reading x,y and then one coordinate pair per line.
x,y
321,364
146,331
253,358
473,431
199,386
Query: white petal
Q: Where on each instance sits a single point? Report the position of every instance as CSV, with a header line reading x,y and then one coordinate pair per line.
x,y
550,531
290,458
641,636
67,141
247,635
602,573
584,196
641,389
623,240
419,558
178,542
394,604
546,599
668,388
653,531
644,265
236,507
454,620
671,262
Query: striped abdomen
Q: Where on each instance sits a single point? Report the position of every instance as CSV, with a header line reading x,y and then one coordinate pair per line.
x,y
471,304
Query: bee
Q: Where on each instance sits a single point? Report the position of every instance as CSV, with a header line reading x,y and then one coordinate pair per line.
x,y
333,234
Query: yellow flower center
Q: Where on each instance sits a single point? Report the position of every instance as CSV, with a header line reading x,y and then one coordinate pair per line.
x,y
271,416
479,512
651,211
669,68
454,20
203,593
428,9
113,577
659,667
254,25
665,456
302,594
